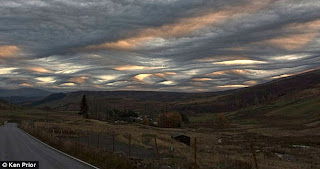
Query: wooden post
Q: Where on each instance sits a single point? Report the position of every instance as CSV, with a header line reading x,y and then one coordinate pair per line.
x,y
113,148
129,145
88,139
254,156
155,141
98,140
195,152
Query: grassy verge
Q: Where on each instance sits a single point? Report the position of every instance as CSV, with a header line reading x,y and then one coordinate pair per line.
x,y
97,157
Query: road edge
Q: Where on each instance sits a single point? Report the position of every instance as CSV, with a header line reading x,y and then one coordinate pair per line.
x,y
63,153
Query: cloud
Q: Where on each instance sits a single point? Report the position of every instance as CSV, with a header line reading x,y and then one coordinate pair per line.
x,y
182,27
300,34
46,79
78,80
290,57
179,45
250,83
232,86
239,62
68,84
7,70
133,67
141,77
8,51
38,69
26,85
168,82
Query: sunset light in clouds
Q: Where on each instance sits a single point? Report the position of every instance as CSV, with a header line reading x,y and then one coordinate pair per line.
x,y
180,45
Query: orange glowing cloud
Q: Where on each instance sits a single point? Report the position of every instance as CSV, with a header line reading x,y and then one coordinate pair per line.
x,y
293,42
292,74
305,33
232,86
238,72
68,84
202,79
250,83
182,27
78,80
281,76
8,51
26,85
141,77
38,69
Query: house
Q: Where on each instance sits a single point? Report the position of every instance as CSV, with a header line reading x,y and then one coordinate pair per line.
x,y
181,138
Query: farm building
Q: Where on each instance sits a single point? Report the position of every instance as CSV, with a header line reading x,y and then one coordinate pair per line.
x,y
181,138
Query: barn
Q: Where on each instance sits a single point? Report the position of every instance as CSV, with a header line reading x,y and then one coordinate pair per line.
x,y
181,138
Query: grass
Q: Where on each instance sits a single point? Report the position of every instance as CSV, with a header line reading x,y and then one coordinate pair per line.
x,y
203,117
255,124
307,108
97,157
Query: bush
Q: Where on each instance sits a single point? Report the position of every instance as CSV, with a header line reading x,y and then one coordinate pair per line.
x,y
221,120
170,120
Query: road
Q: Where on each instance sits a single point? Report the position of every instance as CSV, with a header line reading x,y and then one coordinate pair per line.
x,y
15,145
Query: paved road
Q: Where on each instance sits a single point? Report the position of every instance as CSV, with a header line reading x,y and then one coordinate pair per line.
x,y
15,145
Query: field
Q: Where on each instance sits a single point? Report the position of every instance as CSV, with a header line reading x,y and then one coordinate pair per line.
x,y
288,142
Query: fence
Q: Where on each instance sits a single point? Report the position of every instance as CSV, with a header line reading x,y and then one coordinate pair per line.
x,y
126,146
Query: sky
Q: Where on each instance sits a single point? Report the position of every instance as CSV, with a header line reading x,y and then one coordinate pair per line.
x,y
156,45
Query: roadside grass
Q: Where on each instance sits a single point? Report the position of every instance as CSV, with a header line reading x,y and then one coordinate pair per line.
x,y
97,157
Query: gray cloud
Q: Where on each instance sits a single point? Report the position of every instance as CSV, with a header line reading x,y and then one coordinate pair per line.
x,y
193,45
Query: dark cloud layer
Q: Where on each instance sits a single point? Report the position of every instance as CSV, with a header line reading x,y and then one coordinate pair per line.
x,y
170,45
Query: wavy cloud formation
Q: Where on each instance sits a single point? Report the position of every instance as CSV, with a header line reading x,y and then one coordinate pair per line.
x,y
180,45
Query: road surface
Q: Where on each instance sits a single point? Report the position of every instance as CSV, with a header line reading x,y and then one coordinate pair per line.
x,y
15,145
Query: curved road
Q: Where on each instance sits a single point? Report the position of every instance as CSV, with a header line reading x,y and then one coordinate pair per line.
x,y
15,145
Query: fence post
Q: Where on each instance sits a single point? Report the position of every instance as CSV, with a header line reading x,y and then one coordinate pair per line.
x,y
254,156
195,152
129,145
98,140
113,148
155,141
88,139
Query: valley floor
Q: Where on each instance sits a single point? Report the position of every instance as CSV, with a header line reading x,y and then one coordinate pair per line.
x,y
275,146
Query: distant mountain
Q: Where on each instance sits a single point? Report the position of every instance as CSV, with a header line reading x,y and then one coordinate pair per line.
x,y
20,99
49,98
298,86
24,92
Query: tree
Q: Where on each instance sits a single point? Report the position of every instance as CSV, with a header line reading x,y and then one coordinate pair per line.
x,y
222,120
185,119
84,107
170,120
145,121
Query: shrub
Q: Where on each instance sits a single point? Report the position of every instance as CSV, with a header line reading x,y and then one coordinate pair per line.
x,y
221,120
170,120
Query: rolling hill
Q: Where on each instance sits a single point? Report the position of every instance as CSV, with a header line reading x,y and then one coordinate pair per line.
x,y
23,94
294,87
